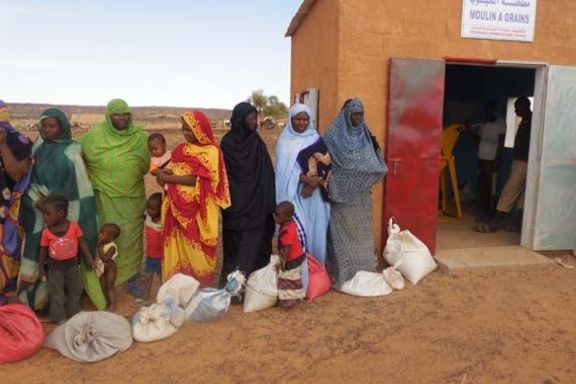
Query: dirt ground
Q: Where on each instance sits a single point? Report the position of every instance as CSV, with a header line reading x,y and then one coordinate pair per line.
x,y
505,325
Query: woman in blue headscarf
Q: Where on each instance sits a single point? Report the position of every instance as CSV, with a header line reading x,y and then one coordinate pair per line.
x,y
357,164
302,167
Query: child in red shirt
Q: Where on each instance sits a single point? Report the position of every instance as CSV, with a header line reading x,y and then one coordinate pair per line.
x,y
290,290
59,245
153,232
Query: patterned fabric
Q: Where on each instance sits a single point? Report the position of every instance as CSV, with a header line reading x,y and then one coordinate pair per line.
x,y
350,239
290,290
10,201
311,213
117,161
191,213
59,169
356,164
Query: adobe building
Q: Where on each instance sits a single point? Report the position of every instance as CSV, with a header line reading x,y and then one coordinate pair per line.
x,y
419,66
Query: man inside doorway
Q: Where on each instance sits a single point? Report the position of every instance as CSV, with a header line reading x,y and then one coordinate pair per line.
x,y
513,192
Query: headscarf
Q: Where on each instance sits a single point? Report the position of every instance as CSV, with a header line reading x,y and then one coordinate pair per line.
x,y
218,189
250,173
289,145
117,159
356,164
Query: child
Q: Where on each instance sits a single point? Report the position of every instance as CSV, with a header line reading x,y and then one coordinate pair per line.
x,y
290,288
153,230
59,245
105,265
160,156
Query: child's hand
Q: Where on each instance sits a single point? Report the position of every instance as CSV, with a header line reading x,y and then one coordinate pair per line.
x,y
42,273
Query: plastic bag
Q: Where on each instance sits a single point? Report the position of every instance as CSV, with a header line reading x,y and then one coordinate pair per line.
x,y
319,282
157,321
91,336
210,304
393,277
366,284
180,287
21,333
262,287
417,262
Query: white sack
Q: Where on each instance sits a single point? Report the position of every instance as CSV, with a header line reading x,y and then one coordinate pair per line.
x,y
157,321
181,287
393,277
403,246
210,304
91,336
366,284
262,287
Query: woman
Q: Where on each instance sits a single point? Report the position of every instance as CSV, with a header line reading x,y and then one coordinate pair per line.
x,y
197,187
15,165
58,170
116,154
297,146
357,164
248,225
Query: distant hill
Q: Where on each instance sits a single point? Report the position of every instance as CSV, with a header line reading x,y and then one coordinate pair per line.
x,y
33,111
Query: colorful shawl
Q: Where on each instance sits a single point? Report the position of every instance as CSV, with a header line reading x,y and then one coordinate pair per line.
x,y
59,169
356,164
11,193
250,173
311,214
117,161
191,213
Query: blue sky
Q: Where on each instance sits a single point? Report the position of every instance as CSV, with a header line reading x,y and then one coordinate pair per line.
x,y
210,53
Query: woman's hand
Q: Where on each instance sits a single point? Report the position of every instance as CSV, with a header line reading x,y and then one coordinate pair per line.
x,y
307,191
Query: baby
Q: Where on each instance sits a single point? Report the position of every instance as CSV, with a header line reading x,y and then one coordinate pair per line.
x,y
105,265
160,156
290,290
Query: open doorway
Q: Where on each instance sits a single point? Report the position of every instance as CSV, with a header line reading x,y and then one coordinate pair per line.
x,y
477,107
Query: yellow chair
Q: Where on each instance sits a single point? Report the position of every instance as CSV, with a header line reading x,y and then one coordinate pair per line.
x,y
449,137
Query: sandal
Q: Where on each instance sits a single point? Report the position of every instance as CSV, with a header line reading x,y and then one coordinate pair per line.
x,y
484,228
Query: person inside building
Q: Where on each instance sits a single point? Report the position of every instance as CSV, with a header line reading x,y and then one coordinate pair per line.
x,y
491,141
357,164
512,195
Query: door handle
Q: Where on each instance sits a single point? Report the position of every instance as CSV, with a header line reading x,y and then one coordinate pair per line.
x,y
394,166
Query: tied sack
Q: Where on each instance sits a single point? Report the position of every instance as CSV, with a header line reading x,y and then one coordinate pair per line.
x,y
179,287
157,321
91,336
415,259
393,277
21,334
211,304
319,282
262,287
366,284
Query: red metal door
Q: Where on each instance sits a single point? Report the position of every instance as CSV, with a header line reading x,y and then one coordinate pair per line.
x,y
415,107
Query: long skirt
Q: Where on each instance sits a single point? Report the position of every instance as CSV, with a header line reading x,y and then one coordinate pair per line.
x,y
350,239
290,289
247,250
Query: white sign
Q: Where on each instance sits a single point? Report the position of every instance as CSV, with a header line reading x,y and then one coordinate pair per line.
x,y
499,19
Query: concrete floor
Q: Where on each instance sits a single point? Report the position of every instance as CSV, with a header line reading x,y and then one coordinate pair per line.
x,y
458,247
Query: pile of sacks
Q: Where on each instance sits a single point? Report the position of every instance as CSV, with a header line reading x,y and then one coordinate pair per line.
x,y
97,335
179,299
409,258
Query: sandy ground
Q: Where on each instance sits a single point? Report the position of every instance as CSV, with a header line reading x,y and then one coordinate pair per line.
x,y
506,325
